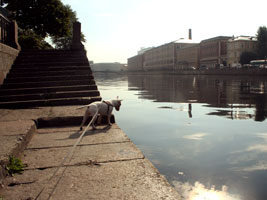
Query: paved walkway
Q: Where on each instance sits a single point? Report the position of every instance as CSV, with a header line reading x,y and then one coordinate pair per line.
x,y
105,165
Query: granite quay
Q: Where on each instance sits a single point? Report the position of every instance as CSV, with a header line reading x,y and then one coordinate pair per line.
x,y
105,165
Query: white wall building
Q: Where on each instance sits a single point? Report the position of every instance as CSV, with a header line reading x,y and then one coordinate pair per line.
x,y
237,45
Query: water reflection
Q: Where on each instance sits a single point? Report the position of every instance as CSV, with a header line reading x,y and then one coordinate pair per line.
x,y
231,94
198,191
196,136
181,124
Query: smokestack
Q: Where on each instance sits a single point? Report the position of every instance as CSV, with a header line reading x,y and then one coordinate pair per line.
x,y
190,34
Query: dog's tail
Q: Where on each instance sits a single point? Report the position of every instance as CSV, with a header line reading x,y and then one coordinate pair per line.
x,y
83,107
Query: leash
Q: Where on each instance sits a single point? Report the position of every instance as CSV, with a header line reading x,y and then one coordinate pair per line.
x,y
70,154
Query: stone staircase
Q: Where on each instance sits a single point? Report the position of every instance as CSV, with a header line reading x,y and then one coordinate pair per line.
x,y
49,78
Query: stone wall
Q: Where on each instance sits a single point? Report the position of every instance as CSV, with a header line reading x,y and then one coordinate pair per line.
x,y
7,57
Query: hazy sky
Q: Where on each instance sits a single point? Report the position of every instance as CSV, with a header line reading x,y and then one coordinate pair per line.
x,y
116,29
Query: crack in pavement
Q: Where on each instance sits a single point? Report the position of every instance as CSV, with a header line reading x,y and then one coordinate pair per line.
x,y
87,163
66,146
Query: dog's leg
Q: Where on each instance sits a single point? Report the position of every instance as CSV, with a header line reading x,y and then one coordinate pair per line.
x,y
109,116
85,117
99,119
93,124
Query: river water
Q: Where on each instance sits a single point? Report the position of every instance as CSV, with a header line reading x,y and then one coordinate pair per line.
x,y
206,134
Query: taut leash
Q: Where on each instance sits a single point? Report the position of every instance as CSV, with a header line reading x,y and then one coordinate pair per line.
x,y
70,154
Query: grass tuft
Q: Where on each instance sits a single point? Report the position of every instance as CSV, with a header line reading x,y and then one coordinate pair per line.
x,y
15,166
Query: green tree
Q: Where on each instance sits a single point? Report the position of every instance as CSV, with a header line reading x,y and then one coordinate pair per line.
x,y
39,19
262,42
30,40
44,17
65,41
246,57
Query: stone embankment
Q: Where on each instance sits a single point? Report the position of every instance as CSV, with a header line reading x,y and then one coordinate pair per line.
x,y
216,72
7,57
225,72
104,165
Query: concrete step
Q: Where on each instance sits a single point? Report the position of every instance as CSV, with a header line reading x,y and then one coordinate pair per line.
x,y
32,52
49,73
41,53
51,68
19,91
50,58
47,78
46,84
50,95
66,121
42,64
49,102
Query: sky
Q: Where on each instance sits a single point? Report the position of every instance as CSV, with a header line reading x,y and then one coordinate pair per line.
x,y
116,29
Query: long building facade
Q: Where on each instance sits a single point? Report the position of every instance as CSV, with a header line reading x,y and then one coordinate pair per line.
x,y
164,57
160,58
213,52
184,54
187,57
136,63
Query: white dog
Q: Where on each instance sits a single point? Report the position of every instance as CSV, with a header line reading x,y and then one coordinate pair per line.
x,y
102,107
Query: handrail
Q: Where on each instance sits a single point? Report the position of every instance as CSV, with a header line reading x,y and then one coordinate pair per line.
x,y
4,30
1,15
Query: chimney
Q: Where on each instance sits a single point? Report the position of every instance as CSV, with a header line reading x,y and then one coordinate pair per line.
x,y
190,34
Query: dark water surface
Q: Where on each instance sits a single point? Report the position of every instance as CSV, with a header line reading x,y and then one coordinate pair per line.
x,y
206,134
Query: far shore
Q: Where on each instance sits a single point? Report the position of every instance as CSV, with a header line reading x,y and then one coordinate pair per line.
x,y
224,72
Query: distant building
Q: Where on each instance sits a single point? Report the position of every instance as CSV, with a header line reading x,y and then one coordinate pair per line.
x,y
237,45
143,50
164,57
188,57
213,52
160,58
183,54
107,67
136,63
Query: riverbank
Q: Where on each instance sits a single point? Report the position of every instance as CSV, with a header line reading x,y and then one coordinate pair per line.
x,y
106,165
224,72
220,72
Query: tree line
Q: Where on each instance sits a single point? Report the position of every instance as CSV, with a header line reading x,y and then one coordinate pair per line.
x,y
261,53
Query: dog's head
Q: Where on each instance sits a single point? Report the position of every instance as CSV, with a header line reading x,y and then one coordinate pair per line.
x,y
118,105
